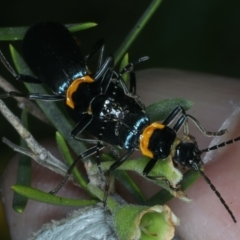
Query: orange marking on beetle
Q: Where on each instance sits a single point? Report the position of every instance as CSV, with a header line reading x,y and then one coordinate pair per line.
x,y
73,88
145,138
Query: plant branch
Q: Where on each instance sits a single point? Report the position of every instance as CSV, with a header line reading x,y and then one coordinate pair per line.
x,y
38,152
24,102
136,29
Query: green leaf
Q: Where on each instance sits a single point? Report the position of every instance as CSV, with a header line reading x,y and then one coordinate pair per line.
x,y
189,178
137,29
131,186
12,33
40,196
24,172
163,169
18,33
75,27
124,62
159,198
111,203
160,110
107,158
126,181
63,148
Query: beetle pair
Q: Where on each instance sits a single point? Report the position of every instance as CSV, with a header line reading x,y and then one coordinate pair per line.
x,y
102,105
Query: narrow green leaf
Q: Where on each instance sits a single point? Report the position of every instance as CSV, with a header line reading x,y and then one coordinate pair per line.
x,y
75,27
52,111
137,29
12,33
124,62
111,203
131,186
17,33
163,169
189,178
40,196
24,172
159,198
107,158
159,111
126,181
63,148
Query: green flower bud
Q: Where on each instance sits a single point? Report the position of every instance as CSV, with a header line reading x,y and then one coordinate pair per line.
x,y
134,222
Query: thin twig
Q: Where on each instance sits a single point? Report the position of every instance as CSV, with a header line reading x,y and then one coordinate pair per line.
x,y
39,153
24,102
51,162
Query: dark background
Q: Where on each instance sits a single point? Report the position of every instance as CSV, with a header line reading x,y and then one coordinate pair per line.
x,y
193,35
189,34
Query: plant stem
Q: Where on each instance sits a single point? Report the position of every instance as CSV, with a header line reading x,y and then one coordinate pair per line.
x,y
136,29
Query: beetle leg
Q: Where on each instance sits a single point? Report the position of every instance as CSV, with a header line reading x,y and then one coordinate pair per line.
x,y
99,46
79,128
107,64
106,80
20,77
115,165
183,121
150,165
132,83
33,96
83,155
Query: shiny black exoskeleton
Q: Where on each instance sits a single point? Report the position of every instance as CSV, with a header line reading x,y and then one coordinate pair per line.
x,y
187,154
101,104
57,62
102,98
54,56
157,140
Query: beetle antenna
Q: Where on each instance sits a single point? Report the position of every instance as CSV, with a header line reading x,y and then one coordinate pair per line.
x,y
215,190
219,145
130,66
